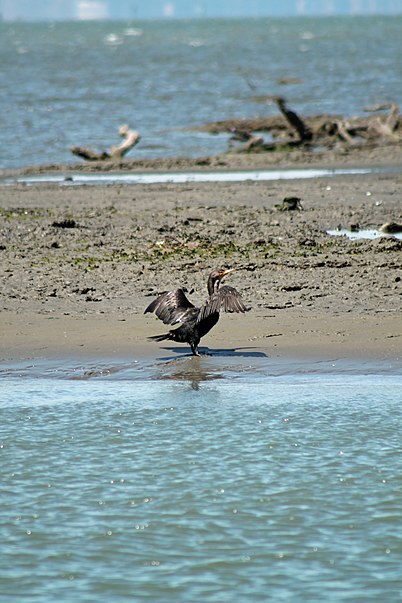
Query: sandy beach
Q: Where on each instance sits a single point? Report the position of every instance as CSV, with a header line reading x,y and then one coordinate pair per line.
x,y
80,263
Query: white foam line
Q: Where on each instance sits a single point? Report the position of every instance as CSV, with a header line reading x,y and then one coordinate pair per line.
x,y
185,177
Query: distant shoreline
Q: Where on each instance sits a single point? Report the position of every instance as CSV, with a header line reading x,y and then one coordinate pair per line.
x,y
383,156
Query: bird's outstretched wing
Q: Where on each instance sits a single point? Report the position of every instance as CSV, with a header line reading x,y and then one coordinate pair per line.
x,y
170,306
227,299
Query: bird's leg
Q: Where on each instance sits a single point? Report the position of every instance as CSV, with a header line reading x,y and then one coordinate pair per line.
x,y
194,349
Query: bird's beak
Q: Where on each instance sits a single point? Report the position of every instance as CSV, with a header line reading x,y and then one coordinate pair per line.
x,y
226,272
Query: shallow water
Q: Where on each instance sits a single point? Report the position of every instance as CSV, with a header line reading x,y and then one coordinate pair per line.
x,y
207,479
185,177
364,233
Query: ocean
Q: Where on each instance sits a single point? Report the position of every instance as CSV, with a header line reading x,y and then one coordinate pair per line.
x,y
66,84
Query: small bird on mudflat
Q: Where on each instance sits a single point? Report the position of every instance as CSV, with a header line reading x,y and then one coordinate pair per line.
x,y
173,307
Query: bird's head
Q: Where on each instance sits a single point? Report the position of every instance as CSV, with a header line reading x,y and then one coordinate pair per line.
x,y
216,277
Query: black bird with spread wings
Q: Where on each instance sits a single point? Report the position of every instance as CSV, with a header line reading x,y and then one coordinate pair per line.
x,y
173,307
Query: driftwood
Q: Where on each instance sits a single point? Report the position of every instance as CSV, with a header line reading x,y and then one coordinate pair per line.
x,y
385,129
295,121
303,131
131,138
324,131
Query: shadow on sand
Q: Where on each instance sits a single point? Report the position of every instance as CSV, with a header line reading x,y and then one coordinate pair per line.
x,y
206,352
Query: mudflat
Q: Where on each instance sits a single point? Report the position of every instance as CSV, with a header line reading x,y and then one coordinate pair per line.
x,y
79,264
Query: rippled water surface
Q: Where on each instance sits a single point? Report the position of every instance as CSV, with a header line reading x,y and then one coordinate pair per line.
x,y
69,84
201,486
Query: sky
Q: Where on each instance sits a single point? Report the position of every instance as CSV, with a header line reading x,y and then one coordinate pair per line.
x,y
36,10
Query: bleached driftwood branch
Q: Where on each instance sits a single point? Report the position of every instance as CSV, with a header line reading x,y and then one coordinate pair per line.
x,y
131,138
385,129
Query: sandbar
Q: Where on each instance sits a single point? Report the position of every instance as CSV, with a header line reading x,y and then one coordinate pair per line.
x,y
80,263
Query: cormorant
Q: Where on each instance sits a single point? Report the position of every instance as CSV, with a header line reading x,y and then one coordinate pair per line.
x,y
173,307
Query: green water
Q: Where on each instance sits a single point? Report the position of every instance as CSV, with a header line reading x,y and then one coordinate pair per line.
x,y
241,487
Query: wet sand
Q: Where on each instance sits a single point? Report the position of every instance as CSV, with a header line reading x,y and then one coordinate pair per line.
x,y
80,263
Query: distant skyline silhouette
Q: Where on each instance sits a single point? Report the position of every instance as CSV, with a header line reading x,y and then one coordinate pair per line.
x,y
26,10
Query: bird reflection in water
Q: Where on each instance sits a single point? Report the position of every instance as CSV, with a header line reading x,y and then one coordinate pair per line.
x,y
208,367
194,372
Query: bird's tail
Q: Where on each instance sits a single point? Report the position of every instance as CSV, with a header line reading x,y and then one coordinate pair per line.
x,y
160,337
